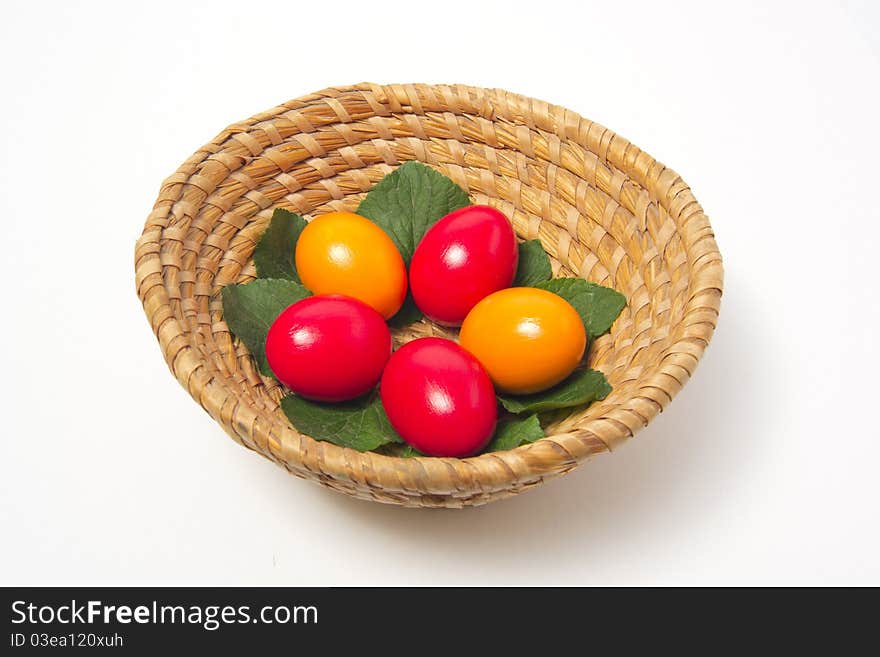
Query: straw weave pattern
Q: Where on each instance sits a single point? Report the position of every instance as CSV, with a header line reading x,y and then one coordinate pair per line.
x,y
603,209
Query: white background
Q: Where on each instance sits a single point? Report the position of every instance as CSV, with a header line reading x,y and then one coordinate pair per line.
x,y
765,468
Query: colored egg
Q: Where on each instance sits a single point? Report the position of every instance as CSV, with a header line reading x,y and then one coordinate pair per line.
x,y
328,347
439,398
528,339
344,253
464,257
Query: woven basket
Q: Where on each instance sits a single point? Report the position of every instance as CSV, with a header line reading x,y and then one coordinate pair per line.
x,y
602,208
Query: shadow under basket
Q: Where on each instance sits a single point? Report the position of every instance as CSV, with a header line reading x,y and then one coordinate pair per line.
x,y
603,209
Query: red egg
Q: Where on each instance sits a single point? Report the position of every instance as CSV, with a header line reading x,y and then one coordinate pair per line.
x,y
439,398
464,257
328,347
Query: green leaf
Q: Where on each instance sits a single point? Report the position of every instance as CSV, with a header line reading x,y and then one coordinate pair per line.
x,y
400,450
274,253
534,265
408,201
515,432
581,388
360,424
250,308
408,314
598,306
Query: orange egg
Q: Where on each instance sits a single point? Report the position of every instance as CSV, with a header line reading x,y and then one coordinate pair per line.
x,y
528,339
344,253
